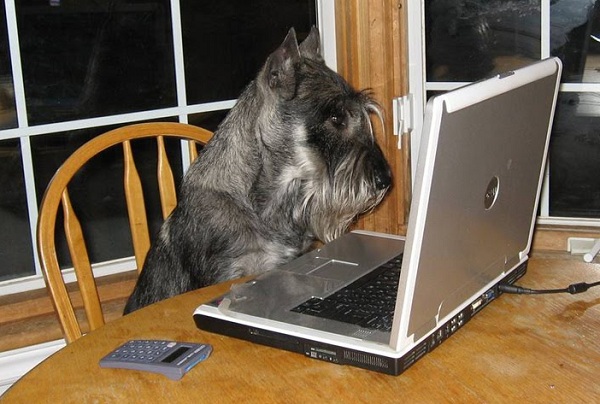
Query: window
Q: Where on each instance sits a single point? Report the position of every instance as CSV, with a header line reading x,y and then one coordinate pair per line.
x,y
465,41
70,70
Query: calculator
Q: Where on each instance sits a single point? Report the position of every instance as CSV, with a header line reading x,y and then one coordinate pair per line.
x,y
171,358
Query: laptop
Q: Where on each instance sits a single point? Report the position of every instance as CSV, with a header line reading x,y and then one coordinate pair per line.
x,y
477,184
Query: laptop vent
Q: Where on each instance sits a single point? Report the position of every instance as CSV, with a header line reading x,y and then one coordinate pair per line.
x,y
366,359
416,354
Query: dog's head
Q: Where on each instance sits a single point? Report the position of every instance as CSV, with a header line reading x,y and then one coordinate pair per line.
x,y
331,157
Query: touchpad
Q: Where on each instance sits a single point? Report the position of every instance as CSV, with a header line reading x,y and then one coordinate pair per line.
x,y
334,269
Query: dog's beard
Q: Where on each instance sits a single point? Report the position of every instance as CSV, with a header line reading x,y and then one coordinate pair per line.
x,y
332,202
329,226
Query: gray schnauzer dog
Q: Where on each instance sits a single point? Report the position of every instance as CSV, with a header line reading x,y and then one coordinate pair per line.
x,y
293,162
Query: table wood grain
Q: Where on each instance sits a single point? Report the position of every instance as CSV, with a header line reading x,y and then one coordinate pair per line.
x,y
530,349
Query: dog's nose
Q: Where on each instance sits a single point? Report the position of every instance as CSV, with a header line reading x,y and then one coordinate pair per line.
x,y
381,172
383,179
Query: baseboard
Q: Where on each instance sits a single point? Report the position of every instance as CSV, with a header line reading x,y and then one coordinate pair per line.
x,y
15,363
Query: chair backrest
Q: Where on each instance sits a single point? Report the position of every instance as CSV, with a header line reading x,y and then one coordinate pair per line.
x,y
57,194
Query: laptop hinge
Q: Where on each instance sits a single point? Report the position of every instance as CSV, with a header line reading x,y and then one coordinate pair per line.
x,y
402,108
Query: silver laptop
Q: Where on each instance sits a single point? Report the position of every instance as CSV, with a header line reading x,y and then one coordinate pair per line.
x,y
479,173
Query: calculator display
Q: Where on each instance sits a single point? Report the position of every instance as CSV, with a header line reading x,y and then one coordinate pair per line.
x,y
176,354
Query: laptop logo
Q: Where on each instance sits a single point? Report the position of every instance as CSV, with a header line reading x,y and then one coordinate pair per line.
x,y
491,193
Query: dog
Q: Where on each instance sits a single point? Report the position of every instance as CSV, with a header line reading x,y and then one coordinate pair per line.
x,y
295,161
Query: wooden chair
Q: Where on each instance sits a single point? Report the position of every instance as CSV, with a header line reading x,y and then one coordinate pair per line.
x,y
57,194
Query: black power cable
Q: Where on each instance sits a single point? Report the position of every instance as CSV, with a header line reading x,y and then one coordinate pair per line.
x,y
572,289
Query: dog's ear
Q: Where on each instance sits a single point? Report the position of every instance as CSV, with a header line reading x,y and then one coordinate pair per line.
x,y
311,46
279,72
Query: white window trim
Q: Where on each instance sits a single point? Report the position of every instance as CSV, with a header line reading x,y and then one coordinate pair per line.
x,y
326,24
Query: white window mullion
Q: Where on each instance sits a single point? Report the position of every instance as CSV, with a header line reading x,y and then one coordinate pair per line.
x,y
120,119
545,19
179,74
32,207
545,50
415,19
178,58
15,59
326,24
23,123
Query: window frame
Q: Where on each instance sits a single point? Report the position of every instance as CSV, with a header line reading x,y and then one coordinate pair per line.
x,y
325,10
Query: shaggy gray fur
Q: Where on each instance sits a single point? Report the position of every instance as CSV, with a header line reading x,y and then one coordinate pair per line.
x,y
294,161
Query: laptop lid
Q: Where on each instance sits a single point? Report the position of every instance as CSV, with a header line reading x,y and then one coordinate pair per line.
x,y
478,179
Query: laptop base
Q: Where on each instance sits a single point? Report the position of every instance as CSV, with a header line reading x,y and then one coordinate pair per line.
x,y
344,356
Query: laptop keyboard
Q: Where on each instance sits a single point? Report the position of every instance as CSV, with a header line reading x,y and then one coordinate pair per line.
x,y
368,302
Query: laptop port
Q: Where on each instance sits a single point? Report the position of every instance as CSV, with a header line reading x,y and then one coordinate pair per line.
x,y
476,305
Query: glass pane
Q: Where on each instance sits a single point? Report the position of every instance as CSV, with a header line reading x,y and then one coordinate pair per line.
x,y
468,41
226,42
8,116
15,237
87,58
208,120
97,190
574,151
575,38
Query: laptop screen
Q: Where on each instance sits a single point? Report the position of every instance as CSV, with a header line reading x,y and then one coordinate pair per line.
x,y
478,179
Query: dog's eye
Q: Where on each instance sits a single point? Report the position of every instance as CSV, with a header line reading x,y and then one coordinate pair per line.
x,y
338,119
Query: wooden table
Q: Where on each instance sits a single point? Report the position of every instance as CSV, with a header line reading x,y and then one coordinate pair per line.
x,y
519,349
